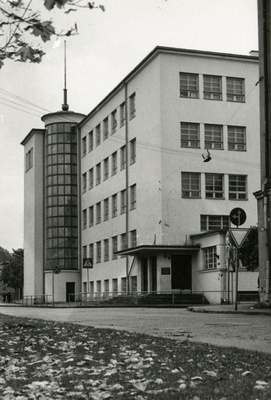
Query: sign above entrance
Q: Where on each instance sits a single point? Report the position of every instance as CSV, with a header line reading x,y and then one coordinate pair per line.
x,y
238,216
87,263
239,236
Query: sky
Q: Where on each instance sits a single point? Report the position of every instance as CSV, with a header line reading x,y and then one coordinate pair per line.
x,y
109,45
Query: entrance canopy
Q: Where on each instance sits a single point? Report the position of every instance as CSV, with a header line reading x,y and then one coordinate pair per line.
x,y
150,250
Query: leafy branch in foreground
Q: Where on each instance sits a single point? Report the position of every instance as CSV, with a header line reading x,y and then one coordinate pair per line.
x,y
19,24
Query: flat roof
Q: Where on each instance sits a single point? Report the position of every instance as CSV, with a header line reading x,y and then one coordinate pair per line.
x,y
172,50
154,249
31,133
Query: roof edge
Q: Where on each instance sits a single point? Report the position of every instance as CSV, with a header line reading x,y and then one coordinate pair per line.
x,y
31,133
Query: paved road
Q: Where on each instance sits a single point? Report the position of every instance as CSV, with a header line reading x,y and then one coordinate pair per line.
x,y
251,332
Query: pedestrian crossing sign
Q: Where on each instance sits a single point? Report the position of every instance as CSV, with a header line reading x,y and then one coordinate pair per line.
x,y
87,263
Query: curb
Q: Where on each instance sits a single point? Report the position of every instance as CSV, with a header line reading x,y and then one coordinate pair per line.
x,y
245,312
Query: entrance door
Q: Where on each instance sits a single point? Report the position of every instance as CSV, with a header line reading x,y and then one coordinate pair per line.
x,y
181,275
144,275
70,290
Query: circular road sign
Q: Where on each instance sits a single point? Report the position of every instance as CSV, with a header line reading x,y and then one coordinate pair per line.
x,y
238,216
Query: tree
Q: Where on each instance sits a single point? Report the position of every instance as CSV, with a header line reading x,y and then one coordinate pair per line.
x,y
249,252
4,255
12,272
19,24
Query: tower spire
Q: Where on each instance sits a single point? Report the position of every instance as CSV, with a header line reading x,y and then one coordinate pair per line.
x,y
65,106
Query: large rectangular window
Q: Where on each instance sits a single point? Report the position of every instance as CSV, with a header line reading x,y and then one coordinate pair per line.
x,y
98,213
84,182
122,157
98,174
84,219
122,114
90,141
210,257
132,106
237,187
114,205
191,185
84,146
214,222
114,122
212,87
132,197
106,209
91,216
91,178
98,135
190,135
114,163
123,201
114,247
106,249
106,168
98,254
133,238
123,239
214,186
236,90
105,128
213,138
236,138
132,151
189,85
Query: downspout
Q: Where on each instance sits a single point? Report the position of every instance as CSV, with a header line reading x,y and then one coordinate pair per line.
x,y
266,184
127,182
79,208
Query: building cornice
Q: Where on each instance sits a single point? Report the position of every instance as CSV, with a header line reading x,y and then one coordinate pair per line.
x,y
31,133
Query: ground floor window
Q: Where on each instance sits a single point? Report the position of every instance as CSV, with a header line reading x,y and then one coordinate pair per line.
x,y
123,285
134,283
210,257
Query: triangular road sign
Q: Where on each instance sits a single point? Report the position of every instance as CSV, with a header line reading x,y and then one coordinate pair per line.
x,y
87,263
239,236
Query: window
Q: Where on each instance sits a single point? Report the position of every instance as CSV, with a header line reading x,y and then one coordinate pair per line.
x,y
123,201
114,247
91,216
191,185
29,159
213,137
122,157
123,241
122,114
84,287
114,163
98,213
106,285
210,258
114,205
133,237
189,85
106,168
132,151
214,186
90,141
84,146
91,251
133,197
84,251
98,253
84,219
106,249
212,87
114,121
90,178
115,285
214,222
84,182
134,284
123,285
236,138
91,286
190,135
98,174
106,209
132,106
237,187
105,128
99,286
236,90
98,135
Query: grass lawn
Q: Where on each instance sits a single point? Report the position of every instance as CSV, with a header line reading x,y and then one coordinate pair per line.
x,y
49,360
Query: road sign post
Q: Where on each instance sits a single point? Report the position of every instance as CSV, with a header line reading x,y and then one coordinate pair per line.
x,y
87,263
